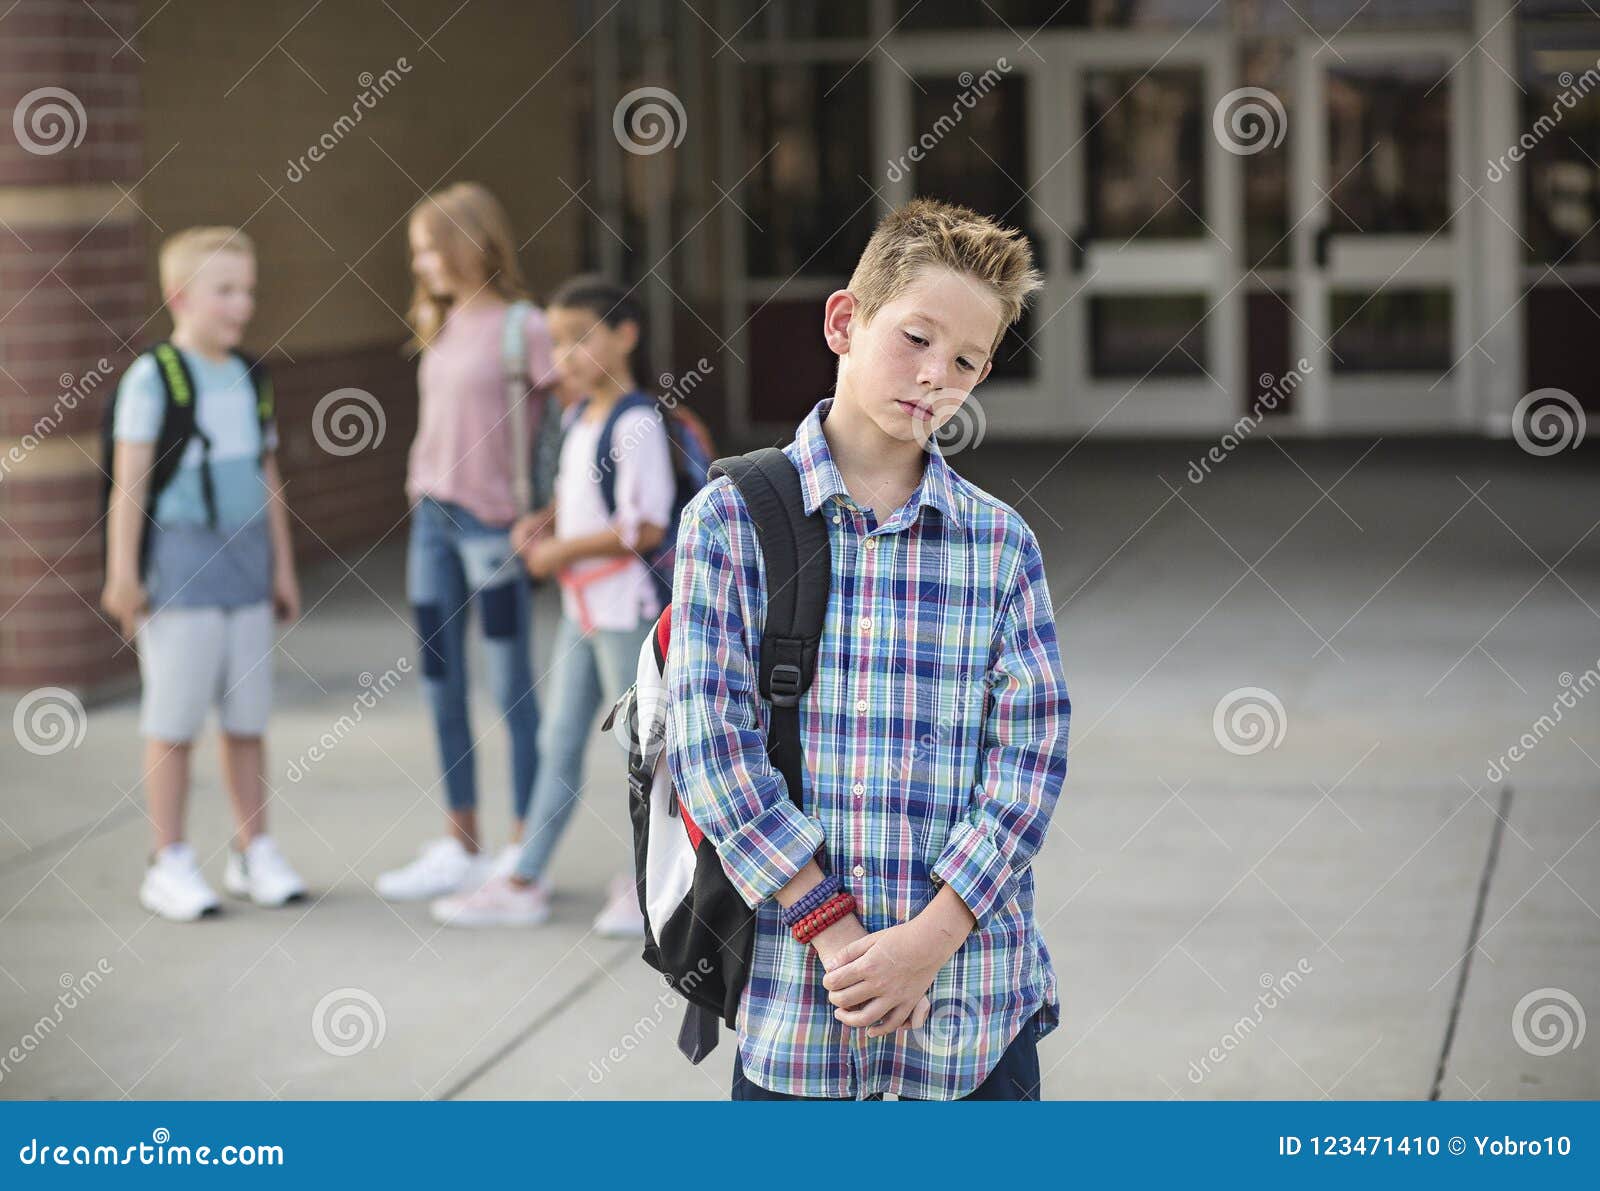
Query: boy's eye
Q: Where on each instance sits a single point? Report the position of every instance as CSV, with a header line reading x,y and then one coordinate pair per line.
x,y
917,339
965,363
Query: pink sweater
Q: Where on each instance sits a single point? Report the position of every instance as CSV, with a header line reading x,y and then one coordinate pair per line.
x,y
462,452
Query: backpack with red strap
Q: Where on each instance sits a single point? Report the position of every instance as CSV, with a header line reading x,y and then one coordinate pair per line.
x,y
699,933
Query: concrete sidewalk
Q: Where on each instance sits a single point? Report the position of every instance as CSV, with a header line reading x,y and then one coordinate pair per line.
x,y
1398,601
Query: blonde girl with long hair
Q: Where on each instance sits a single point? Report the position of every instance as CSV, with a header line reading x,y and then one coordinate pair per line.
x,y
468,305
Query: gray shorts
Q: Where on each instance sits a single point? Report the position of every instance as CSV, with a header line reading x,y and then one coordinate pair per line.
x,y
192,658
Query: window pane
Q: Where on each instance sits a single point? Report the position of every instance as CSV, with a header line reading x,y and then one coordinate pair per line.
x,y
973,150
1555,158
1391,331
1146,173
1142,334
810,212
1389,146
1267,65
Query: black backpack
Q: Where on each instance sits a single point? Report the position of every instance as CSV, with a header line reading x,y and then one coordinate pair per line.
x,y
178,426
699,934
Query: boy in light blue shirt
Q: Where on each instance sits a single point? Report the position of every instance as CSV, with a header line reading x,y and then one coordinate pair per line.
x,y
194,576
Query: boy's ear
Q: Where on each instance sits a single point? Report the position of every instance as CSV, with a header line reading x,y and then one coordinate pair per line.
x,y
838,319
988,366
629,330
174,299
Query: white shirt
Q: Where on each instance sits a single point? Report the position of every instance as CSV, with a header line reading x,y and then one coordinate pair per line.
x,y
620,593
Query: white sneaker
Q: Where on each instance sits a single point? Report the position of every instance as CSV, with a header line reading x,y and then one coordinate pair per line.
x,y
174,887
497,902
622,918
442,866
505,862
261,874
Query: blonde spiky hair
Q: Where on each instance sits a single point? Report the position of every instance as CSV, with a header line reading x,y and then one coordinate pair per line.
x,y
184,253
927,232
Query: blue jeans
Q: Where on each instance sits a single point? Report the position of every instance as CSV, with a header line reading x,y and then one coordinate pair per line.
x,y
454,560
590,671
1015,1076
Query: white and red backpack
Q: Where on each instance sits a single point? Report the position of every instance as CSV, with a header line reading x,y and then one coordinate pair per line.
x,y
699,933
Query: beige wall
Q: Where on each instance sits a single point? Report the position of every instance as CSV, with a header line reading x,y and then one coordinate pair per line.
x,y
229,112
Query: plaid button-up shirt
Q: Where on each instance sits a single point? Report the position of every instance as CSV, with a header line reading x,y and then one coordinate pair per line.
x,y
935,736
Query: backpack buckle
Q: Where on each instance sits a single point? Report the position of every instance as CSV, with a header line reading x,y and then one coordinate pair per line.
x,y
784,683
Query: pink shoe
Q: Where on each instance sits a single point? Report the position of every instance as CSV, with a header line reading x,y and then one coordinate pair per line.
x,y
497,902
621,919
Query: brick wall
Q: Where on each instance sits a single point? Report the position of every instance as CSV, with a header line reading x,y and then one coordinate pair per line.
x,y
188,123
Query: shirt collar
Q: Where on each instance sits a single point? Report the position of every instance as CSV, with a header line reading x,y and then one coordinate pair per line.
x,y
820,477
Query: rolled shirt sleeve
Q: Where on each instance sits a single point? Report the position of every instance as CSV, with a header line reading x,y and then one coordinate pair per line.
x,y
1023,760
717,753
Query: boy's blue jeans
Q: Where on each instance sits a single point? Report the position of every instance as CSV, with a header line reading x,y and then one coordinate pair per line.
x,y
590,671
1015,1076
453,560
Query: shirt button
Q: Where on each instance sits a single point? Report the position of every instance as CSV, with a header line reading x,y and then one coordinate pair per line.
x,y
837,518
858,789
861,704
866,624
858,871
872,543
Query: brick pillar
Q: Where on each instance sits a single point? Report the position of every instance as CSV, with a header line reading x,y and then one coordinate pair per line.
x,y
73,294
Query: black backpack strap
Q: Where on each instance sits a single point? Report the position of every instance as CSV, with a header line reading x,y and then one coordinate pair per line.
x,y
798,562
182,401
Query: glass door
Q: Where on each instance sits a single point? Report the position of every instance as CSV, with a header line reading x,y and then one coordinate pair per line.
x,y
1100,146
1145,310
1380,273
